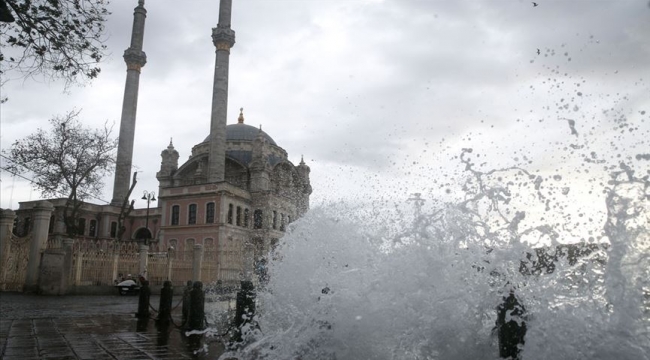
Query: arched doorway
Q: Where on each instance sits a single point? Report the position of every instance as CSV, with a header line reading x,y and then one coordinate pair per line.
x,y
142,233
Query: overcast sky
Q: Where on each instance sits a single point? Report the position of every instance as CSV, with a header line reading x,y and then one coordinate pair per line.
x,y
379,95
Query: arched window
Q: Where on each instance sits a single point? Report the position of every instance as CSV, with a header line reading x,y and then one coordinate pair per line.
x,y
246,217
281,222
209,213
81,226
275,219
173,244
114,229
238,215
229,214
176,212
92,229
258,219
191,215
189,244
208,243
143,233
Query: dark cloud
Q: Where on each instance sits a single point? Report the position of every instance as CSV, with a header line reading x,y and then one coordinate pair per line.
x,y
367,85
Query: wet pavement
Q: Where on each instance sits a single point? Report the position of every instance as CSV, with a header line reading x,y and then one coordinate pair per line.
x,y
99,327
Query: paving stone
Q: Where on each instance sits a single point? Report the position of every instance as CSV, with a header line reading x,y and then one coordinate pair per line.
x,y
15,351
37,327
19,357
21,342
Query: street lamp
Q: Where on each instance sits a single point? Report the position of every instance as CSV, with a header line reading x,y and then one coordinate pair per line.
x,y
149,196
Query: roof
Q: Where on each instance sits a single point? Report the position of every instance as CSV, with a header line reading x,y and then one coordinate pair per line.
x,y
243,132
245,157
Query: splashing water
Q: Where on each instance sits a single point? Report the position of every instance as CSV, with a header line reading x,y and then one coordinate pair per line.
x,y
368,282
380,281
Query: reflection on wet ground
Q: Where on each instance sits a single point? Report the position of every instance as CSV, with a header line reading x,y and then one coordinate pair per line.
x,y
100,327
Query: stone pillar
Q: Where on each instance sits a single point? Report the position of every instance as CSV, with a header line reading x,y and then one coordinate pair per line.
x,y
198,262
6,225
41,214
248,262
67,245
223,38
144,258
135,59
55,268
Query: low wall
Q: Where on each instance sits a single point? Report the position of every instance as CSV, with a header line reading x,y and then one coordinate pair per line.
x,y
112,290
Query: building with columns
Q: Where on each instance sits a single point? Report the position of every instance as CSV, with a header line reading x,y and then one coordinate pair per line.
x,y
237,190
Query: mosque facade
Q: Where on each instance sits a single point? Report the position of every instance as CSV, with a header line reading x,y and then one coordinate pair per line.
x,y
237,189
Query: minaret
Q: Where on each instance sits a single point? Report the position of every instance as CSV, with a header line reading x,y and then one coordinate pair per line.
x,y
303,200
223,39
135,59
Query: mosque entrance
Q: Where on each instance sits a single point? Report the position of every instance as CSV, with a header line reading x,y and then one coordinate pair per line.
x,y
143,233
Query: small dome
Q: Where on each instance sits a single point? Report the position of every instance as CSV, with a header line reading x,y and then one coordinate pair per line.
x,y
243,132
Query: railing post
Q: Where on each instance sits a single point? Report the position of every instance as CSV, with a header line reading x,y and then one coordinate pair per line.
x,y
41,213
196,319
6,224
198,262
143,300
78,268
144,258
245,310
187,301
165,306
116,261
511,327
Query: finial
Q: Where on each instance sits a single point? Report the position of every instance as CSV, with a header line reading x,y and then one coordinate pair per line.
x,y
240,120
302,160
171,145
140,2
260,127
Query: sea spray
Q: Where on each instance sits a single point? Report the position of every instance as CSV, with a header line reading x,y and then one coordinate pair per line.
x,y
348,282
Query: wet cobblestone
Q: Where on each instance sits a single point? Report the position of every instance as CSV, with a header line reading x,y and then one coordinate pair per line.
x,y
90,327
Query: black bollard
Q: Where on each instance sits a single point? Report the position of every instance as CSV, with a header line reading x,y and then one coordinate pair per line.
x,y
166,296
196,319
511,332
143,301
186,301
142,325
219,288
245,309
163,329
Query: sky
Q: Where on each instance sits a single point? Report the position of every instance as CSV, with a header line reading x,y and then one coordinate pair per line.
x,y
379,96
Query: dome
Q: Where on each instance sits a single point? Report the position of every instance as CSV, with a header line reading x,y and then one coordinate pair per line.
x,y
243,132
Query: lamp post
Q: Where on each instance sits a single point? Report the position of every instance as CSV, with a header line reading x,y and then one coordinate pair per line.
x,y
149,196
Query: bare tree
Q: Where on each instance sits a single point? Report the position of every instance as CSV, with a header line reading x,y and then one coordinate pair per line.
x,y
68,159
62,39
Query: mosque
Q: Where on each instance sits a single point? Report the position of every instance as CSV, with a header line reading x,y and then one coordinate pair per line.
x,y
237,188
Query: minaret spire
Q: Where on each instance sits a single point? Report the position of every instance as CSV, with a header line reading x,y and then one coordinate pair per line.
x,y
135,59
223,38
